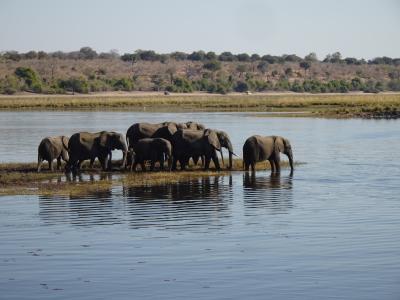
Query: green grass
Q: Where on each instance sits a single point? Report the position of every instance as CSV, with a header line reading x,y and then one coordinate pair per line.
x,y
359,105
18,179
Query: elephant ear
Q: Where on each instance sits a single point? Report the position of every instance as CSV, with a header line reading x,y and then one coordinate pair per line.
x,y
279,145
213,139
172,128
65,141
104,140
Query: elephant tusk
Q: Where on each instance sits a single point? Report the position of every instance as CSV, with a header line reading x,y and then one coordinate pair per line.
x,y
235,154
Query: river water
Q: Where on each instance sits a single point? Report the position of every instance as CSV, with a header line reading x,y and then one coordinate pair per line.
x,y
331,230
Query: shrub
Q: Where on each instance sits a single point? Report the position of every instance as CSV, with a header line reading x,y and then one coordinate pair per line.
x,y
9,85
241,87
79,85
212,65
123,84
180,85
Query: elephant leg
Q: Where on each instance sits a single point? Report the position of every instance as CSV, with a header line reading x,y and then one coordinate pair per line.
x,y
253,167
109,161
202,160
39,165
133,166
216,162
207,163
272,163
143,166
152,163
92,162
51,165
59,163
174,160
161,160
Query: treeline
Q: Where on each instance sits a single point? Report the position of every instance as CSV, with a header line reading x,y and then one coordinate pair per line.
x,y
26,79
87,71
87,53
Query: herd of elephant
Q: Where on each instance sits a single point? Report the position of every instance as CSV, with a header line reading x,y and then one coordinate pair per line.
x,y
159,143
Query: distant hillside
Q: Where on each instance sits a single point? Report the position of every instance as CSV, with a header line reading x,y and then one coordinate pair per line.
x,y
86,71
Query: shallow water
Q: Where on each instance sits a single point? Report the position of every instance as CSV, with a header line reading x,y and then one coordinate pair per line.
x,y
332,230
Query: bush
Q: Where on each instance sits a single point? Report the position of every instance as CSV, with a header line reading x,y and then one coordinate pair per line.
x,y
212,65
394,85
79,85
28,75
9,85
123,84
241,87
180,85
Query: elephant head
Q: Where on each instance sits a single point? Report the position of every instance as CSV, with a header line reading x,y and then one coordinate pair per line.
x,y
226,143
194,125
212,139
113,140
283,145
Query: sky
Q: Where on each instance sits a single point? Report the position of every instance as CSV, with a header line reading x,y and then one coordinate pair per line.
x,y
356,28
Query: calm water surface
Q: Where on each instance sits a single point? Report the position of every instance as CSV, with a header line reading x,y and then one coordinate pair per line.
x,y
332,230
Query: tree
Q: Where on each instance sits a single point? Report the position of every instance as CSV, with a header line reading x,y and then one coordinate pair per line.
x,y
305,65
243,57
87,53
227,56
30,78
288,72
178,55
197,55
312,57
241,69
263,67
211,55
241,87
212,65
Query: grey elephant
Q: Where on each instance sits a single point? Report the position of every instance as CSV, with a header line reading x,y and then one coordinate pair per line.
x,y
139,131
153,149
259,148
163,130
225,142
51,148
195,143
86,145
194,125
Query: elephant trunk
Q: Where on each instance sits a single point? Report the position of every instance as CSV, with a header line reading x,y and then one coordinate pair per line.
x,y
124,156
169,162
222,157
230,149
290,156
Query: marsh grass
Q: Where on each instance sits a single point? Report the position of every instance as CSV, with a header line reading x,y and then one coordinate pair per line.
x,y
19,179
346,104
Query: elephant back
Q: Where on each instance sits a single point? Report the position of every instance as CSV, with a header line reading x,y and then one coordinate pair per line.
x,y
48,149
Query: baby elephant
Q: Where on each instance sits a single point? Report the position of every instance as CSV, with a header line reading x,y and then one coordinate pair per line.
x,y
51,148
153,149
258,148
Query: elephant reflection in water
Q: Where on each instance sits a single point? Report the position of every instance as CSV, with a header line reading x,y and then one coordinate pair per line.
x,y
92,208
197,201
268,191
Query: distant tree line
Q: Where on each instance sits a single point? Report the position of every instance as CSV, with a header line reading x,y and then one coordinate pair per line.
x,y
87,53
26,79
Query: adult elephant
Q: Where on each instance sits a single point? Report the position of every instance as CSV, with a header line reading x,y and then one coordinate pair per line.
x,y
86,145
195,143
225,142
153,149
194,125
51,148
258,148
163,130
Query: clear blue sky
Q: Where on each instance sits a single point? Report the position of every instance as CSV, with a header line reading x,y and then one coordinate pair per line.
x,y
356,28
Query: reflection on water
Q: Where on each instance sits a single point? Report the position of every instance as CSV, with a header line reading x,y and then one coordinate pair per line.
x,y
198,201
265,190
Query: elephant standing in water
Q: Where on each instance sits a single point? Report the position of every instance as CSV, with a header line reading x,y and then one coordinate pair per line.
x,y
258,148
51,148
86,145
225,142
163,130
153,149
195,143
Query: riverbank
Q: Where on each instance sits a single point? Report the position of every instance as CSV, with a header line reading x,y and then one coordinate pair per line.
x,y
383,105
23,179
